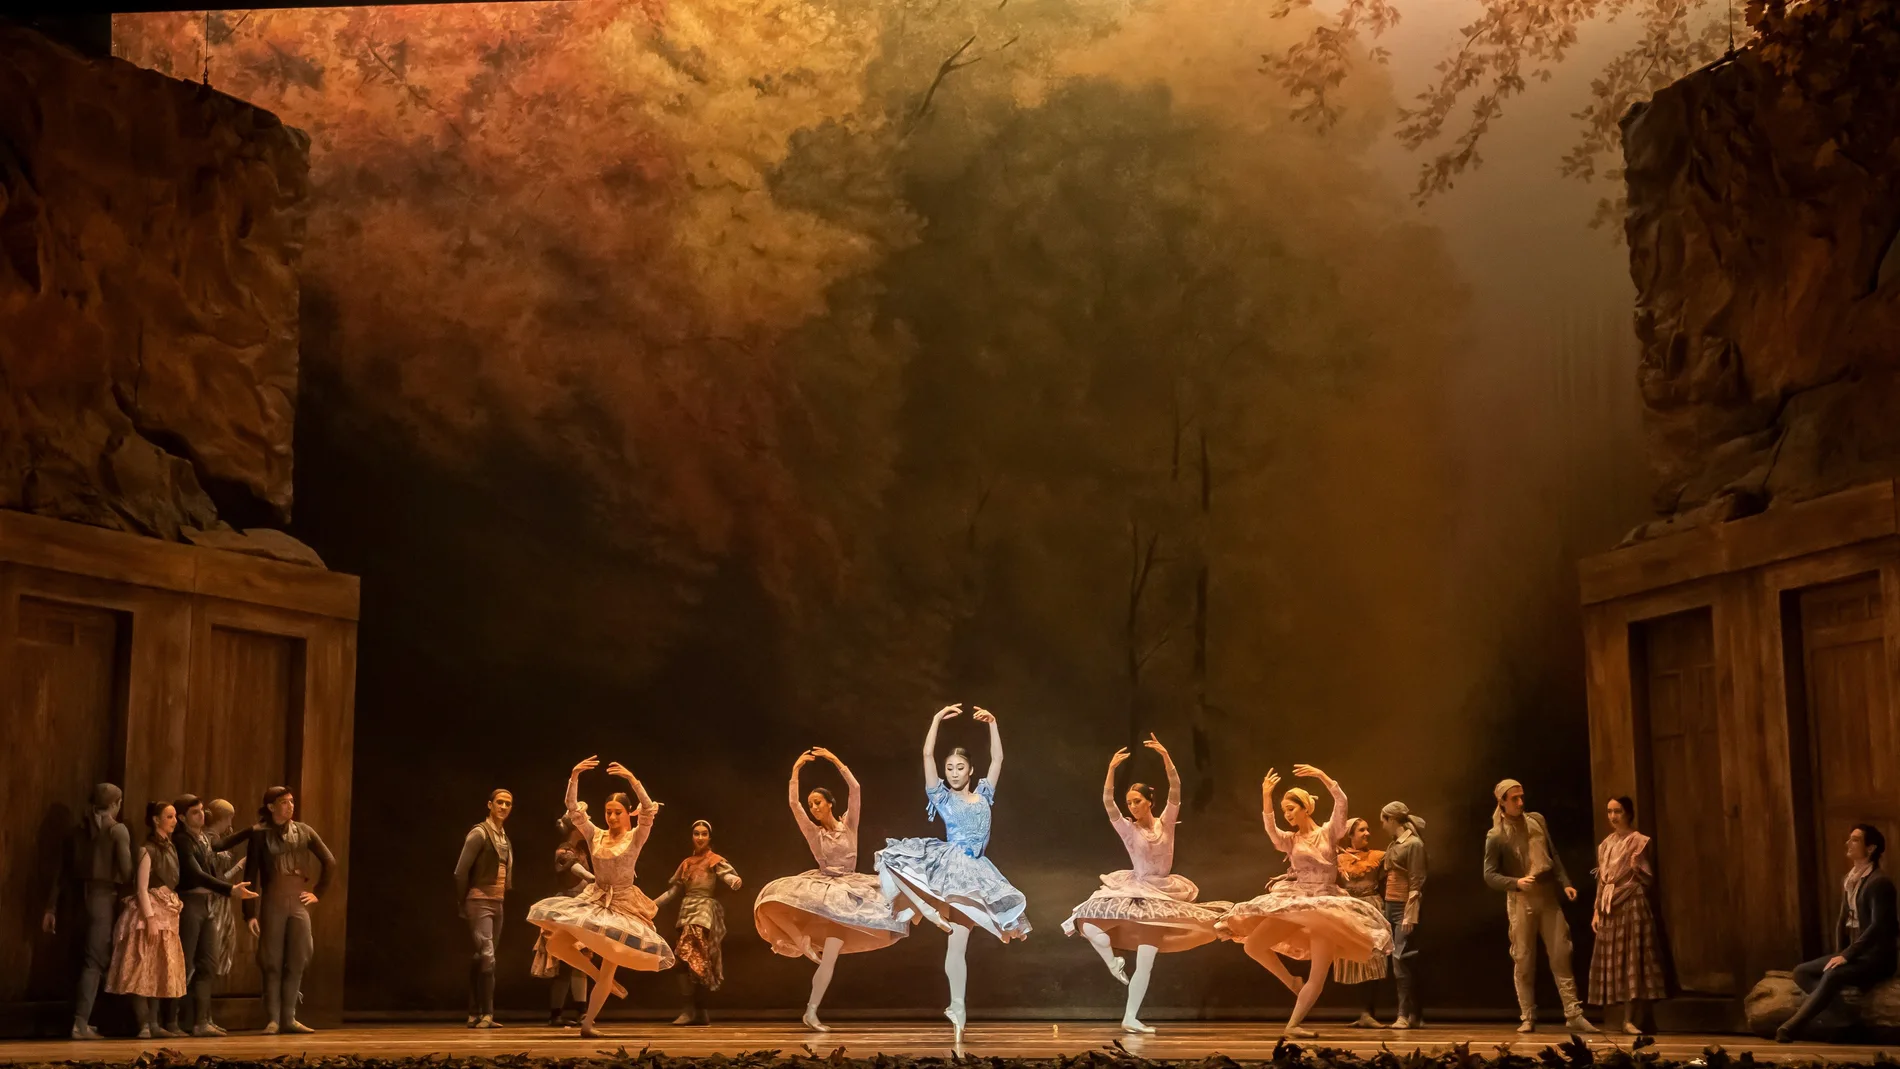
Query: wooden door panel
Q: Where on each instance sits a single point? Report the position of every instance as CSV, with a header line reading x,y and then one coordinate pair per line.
x,y
1853,740
1687,820
64,713
240,738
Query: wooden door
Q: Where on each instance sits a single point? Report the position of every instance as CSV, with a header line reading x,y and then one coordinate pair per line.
x,y
1688,821
63,715
1853,740
242,737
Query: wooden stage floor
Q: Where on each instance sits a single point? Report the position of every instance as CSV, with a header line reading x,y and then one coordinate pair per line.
x,y
1242,1041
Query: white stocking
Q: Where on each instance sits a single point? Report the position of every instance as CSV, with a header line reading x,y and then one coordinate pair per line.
x,y
1322,962
954,969
1099,940
821,979
603,986
1138,985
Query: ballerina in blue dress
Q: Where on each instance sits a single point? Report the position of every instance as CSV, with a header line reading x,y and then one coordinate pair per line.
x,y
948,881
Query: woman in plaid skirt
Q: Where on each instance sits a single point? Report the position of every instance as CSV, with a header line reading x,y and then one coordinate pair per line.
x,y
1627,963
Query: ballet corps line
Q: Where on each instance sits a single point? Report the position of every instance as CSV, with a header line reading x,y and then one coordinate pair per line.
x,y
1347,910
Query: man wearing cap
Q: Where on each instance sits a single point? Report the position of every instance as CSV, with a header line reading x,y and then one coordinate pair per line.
x,y
1520,860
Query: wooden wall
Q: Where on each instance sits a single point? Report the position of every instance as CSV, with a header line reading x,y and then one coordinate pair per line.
x,y
167,669
1727,668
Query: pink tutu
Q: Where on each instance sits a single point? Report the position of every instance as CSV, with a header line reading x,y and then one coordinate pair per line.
x,y
1290,915
1157,911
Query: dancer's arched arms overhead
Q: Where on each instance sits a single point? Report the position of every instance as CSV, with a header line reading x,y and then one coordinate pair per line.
x,y
1283,840
643,819
850,786
984,716
1340,820
1172,810
931,773
1108,787
576,815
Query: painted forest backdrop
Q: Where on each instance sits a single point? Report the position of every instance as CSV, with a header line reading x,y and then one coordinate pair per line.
x,y
696,381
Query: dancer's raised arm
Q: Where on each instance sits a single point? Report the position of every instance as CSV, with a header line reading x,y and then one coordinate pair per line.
x,y
850,785
576,813
643,818
1281,839
984,716
1108,786
1173,809
1340,820
791,791
930,743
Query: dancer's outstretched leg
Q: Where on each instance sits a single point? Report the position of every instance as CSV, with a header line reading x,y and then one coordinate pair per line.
x,y
820,980
1261,950
1138,989
958,973
1099,940
1322,963
603,987
923,908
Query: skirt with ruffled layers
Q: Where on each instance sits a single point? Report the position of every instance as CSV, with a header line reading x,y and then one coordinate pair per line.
x,y
796,914
148,960
615,923
1290,916
959,887
1157,911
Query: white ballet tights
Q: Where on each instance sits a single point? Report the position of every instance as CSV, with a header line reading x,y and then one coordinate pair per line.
x,y
954,968
1321,952
1099,940
1138,987
821,979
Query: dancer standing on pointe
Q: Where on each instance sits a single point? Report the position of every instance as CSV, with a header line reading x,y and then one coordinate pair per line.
x,y
1148,909
610,917
833,909
1305,914
949,881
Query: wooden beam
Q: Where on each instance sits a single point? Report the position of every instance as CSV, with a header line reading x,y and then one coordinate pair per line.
x,y
1861,514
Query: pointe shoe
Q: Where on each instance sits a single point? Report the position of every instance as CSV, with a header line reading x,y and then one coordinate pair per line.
x,y
1294,1031
270,1029
1580,1025
1119,970
298,1027
1365,1020
812,1022
958,1018
206,1029
1129,1024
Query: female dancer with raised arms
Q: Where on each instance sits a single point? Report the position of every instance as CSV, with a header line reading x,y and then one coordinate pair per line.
x,y
1305,913
611,916
1148,908
833,909
948,880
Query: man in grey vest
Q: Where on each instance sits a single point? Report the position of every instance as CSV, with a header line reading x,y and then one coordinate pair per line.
x,y
483,875
1521,861
97,859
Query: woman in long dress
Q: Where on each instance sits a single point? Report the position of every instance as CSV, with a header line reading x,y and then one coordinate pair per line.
x,y
148,959
1626,965
611,917
1305,914
702,922
833,909
948,881
1149,908
1362,874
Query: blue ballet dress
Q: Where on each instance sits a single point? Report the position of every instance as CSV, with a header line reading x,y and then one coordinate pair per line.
x,y
951,875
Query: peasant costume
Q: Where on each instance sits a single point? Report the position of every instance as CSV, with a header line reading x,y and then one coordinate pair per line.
x,y
1627,961
1306,901
796,914
1149,904
610,917
951,875
148,959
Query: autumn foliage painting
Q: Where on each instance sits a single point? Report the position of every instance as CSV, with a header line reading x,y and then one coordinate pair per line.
x,y
689,367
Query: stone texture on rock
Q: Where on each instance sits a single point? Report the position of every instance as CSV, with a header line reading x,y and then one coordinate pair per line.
x,y
1873,1014
1762,226
256,542
149,236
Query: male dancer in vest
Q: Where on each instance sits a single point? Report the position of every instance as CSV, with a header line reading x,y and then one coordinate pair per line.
x,y
483,875
1521,861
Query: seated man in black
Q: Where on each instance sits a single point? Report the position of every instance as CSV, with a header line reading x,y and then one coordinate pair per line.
x,y
1866,934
